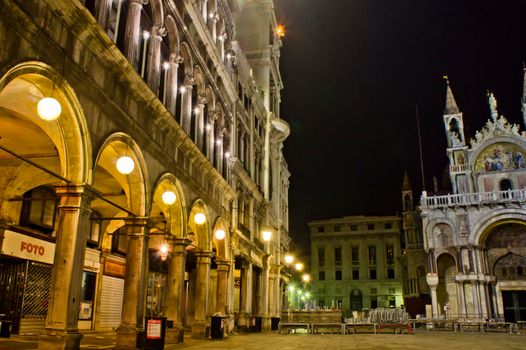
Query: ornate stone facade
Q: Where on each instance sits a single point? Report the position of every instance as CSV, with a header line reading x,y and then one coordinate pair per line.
x,y
188,91
475,237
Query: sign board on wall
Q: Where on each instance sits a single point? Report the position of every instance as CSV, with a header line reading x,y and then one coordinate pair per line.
x,y
114,268
153,329
26,247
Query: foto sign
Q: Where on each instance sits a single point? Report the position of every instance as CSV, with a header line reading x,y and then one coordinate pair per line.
x,y
26,247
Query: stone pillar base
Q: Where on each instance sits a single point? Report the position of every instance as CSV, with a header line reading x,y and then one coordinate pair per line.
x,y
199,330
265,323
128,338
59,341
243,322
174,335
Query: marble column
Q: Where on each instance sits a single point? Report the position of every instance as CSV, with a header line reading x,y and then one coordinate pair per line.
x,y
154,59
264,293
61,331
186,105
132,32
432,282
484,309
476,299
201,293
461,298
103,8
175,290
219,151
223,269
210,128
245,309
133,308
200,123
171,89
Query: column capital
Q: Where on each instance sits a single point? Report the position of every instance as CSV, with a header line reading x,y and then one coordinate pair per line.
x,y
223,265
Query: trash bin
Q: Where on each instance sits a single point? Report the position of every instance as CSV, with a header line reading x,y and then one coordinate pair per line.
x,y
5,328
155,333
274,323
257,324
217,327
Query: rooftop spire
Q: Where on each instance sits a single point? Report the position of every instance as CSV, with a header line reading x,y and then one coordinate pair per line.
x,y
406,185
451,104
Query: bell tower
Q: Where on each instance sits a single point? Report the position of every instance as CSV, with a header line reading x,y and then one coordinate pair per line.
x,y
457,150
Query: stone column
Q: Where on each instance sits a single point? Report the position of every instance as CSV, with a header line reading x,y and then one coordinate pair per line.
x,y
432,282
200,123
484,309
223,268
245,307
154,60
103,8
461,298
186,105
132,32
476,298
201,293
219,151
210,128
264,293
61,331
132,319
171,88
175,290
204,9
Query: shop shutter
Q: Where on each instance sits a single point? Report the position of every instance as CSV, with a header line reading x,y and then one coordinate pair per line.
x,y
36,298
111,302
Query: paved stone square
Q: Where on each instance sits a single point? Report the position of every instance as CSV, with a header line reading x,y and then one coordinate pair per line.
x,y
270,341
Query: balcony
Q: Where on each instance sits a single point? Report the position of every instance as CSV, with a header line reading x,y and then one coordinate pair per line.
x,y
460,168
468,199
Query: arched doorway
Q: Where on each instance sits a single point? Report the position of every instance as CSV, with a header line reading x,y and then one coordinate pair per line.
x,y
36,157
447,288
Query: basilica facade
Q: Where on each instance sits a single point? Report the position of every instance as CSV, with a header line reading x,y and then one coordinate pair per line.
x,y
475,237
141,167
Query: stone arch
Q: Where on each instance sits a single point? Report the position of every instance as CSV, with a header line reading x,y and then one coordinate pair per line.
x,y
188,63
200,82
173,35
135,184
199,234
157,12
210,98
174,215
447,268
440,234
483,227
223,253
62,146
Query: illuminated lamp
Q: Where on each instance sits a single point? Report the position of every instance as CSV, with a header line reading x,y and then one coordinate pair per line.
x,y
220,234
125,165
49,108
169,197
199,218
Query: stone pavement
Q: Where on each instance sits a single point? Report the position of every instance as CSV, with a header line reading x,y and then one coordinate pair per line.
x,y
271,341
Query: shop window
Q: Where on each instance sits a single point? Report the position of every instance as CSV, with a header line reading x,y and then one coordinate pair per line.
x,y
87,295
392,302
38,209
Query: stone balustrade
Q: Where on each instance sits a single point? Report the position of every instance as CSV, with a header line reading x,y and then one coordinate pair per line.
x,y
468,199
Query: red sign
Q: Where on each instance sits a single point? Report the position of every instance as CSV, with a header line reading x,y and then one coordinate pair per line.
x,y
153,329
32,248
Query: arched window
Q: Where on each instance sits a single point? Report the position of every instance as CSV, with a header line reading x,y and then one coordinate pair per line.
x,y
38,209
505,184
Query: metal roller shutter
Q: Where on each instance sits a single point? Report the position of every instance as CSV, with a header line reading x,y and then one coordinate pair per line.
x,y
112,294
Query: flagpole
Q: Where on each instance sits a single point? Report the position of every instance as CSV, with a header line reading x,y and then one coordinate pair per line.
x,y
420,149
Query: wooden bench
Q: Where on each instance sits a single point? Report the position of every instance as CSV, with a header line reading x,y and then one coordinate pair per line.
x,y
316,327
397,327
293,326
355,326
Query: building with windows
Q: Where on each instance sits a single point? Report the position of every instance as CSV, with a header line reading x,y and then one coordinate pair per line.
x,y
355,262
475,237
413,257
140,166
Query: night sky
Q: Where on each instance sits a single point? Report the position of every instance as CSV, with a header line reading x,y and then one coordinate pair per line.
x,y
353,72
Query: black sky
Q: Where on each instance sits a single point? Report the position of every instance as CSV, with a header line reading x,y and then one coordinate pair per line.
x,y
353,72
